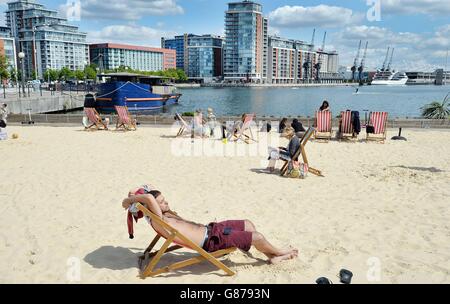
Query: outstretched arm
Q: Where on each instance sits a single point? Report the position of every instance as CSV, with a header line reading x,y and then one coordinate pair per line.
x,y
148,201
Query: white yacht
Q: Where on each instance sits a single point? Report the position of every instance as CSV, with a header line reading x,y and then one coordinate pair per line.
x,y
389,78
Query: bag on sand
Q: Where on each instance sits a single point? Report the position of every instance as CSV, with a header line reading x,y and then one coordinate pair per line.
x,y
297,170
2,123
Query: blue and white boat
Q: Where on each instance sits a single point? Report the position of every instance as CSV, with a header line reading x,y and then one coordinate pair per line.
x,y
139,93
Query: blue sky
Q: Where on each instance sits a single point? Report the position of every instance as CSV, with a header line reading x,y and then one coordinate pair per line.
x,y
418,29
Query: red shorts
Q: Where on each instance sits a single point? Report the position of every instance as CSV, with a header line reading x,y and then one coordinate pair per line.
x,y
228,234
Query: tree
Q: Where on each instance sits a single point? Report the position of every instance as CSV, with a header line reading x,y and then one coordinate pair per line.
x,y
33,75
437,110
66,74
181,75
4,73
79,75
90,72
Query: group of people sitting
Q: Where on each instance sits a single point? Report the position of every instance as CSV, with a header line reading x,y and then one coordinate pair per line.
x,y
3,117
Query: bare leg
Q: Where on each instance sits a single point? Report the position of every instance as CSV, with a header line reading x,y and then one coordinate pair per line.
x,y
249,226
274,254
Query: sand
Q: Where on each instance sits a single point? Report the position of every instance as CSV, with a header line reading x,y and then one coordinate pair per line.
x,y
381,211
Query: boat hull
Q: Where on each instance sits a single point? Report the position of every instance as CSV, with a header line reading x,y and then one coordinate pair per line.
x,y
389,82
138,97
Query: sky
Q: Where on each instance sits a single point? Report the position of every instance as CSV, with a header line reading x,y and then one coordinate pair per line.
x,y
419,30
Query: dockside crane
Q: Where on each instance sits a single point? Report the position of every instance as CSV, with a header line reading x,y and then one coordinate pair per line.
x,y
308,62
355,64
386,59
390,60
318,65
363,62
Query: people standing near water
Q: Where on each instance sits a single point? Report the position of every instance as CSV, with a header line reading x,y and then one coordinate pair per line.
x,y
325,106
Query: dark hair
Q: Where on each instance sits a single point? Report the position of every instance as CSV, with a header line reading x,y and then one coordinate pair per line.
x,y
284,120
295,120
155,193
325,105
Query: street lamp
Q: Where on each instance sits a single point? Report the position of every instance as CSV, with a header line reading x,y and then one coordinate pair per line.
x,y
35,53
48,76
22,57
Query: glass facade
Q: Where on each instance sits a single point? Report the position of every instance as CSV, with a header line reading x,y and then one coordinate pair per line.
x,y
205,57
179,44
245,49
47,40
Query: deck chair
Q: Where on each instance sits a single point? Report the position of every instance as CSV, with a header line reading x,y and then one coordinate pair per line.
x,y
185,127
124,120
346,127
94,119
378,120
149,269
309,133
245,131
323,125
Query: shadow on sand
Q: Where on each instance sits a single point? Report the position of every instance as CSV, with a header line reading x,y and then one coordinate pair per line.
x,y
119,258
430,169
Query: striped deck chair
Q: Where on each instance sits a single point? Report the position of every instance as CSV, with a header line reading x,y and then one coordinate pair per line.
x,y
245,131
323,125
308,134
185,127
346,126
173,236
124,120
378,120
94,119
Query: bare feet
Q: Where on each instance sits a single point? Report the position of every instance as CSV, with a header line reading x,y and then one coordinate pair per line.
x,y
288,255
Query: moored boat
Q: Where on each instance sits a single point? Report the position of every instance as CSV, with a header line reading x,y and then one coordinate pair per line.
x,y
138,92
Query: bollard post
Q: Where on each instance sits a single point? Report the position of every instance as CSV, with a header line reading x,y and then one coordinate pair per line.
x,y
4,91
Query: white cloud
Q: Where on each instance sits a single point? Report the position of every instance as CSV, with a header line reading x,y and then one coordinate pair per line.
x,y
126,10
313,16
412,51
413,7
129,34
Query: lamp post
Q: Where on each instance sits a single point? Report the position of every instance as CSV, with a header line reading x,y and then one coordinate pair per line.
x,y
35,53
48,77
22,57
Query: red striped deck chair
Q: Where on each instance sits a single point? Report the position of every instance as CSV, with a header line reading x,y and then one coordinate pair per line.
x,y
245,131
378,120
323,125
124,120
308,134
171,235
346,126
94,119
185,127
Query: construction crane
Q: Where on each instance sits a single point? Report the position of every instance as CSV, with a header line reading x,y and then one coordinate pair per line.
x,y
363,62
318,65
307,64
390,60
354,67
385,60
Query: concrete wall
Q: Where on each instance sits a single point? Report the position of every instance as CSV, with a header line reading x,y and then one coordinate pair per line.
x,y
45,104
76,119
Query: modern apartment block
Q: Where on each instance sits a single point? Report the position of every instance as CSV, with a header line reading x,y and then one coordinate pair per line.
x,y
179,44
47,39
246,43
293,61
200,56
205,58
112,56
8,47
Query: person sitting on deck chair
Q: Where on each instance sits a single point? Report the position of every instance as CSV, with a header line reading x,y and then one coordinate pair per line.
x,y
214,236
284,153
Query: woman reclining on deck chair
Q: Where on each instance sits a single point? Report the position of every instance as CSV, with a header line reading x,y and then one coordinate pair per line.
x,y
212,237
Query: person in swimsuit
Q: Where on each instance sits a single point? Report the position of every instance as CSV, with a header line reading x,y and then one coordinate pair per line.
x,y
212,237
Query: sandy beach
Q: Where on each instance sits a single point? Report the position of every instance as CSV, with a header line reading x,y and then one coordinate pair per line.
x,y
381,211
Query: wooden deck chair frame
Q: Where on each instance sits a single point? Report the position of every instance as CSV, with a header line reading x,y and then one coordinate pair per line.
x,y
122,121
185,128
97,123
321,135
379,137
301,150
346,128
246,126
149,269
